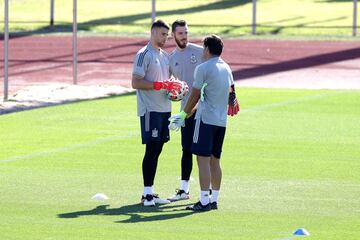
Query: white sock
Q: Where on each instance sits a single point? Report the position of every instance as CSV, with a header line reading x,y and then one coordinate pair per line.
x,y
214,195
185,185
204,197
148,190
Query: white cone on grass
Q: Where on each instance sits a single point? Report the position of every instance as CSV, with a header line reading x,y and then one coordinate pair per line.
x,y
100,197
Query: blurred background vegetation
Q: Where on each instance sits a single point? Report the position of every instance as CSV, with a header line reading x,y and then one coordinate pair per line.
x,y
231,18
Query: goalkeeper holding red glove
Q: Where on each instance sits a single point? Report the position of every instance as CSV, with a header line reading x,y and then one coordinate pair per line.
x,y
170,85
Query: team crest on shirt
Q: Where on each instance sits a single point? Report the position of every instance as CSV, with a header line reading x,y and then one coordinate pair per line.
x,y
193,59
154,133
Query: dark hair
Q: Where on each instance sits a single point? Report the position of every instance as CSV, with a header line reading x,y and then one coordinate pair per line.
x,y
160,24
177,23
214,44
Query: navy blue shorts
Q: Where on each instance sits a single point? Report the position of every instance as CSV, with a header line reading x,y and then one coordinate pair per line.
x,y
187,133
208,140
154,127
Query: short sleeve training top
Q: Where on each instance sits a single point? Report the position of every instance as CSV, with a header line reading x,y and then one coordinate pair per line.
x,y
183,64
153,65
215,77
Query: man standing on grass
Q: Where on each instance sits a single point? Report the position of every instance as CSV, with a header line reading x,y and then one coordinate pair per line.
x,y
213,80
183,61
150,79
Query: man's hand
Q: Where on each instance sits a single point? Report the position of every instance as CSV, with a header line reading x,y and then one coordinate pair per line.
x,y
233,105
170,85
177,121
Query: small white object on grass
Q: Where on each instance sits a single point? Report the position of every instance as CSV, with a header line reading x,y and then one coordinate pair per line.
x,y
100,196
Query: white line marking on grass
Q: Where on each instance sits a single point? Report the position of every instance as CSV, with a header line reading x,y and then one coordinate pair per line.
x,y
288,102
112,138
69,148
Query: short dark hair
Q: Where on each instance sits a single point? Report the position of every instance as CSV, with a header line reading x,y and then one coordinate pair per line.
x,y
178,23
160,24
214,44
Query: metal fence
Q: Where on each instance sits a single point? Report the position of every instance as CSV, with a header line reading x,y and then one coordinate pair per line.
x,y
253,25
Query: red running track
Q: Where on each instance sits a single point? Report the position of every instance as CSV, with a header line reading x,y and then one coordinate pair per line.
x,y
108,60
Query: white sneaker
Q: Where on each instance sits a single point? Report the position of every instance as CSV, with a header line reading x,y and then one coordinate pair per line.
x,y
158,200
179,195
148,200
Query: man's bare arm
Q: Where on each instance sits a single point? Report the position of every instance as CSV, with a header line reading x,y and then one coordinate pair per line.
x,y
138,82
192,101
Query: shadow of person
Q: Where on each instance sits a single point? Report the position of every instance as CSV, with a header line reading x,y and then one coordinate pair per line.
x,y
136,212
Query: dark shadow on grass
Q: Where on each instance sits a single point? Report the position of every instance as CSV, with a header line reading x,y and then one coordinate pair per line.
x,y
131,19
135,212
279,28
62,27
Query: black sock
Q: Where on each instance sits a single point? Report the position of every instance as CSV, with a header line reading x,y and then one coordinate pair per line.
x,y
149,164
186,165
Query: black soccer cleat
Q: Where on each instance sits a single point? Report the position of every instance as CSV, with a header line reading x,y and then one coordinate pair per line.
x,y
198,207
213,206
148,200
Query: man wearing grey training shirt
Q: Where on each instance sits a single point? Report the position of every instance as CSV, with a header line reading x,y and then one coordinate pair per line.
x,y
213,81
183,61
150,78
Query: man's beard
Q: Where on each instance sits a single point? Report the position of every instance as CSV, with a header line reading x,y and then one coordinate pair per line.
x,y
180,45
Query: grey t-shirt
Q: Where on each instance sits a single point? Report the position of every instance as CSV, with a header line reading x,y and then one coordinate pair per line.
x,y
183,63
214,77
153,65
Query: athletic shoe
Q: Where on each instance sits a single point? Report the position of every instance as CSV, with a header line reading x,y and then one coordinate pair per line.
x,y
214,205
198,207
148,200
179,195
158,200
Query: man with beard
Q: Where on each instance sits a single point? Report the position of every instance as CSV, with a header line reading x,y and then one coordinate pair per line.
x,y
183,61
150,77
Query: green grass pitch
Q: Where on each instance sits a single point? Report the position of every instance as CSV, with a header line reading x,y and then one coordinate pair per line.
x,y
290,160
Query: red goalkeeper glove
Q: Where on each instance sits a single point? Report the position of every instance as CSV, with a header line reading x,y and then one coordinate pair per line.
x,y
169,85
233,105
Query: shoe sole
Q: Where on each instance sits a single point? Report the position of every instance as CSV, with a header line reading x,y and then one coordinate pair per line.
x,y
175,200
163,203
202,210
151,205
